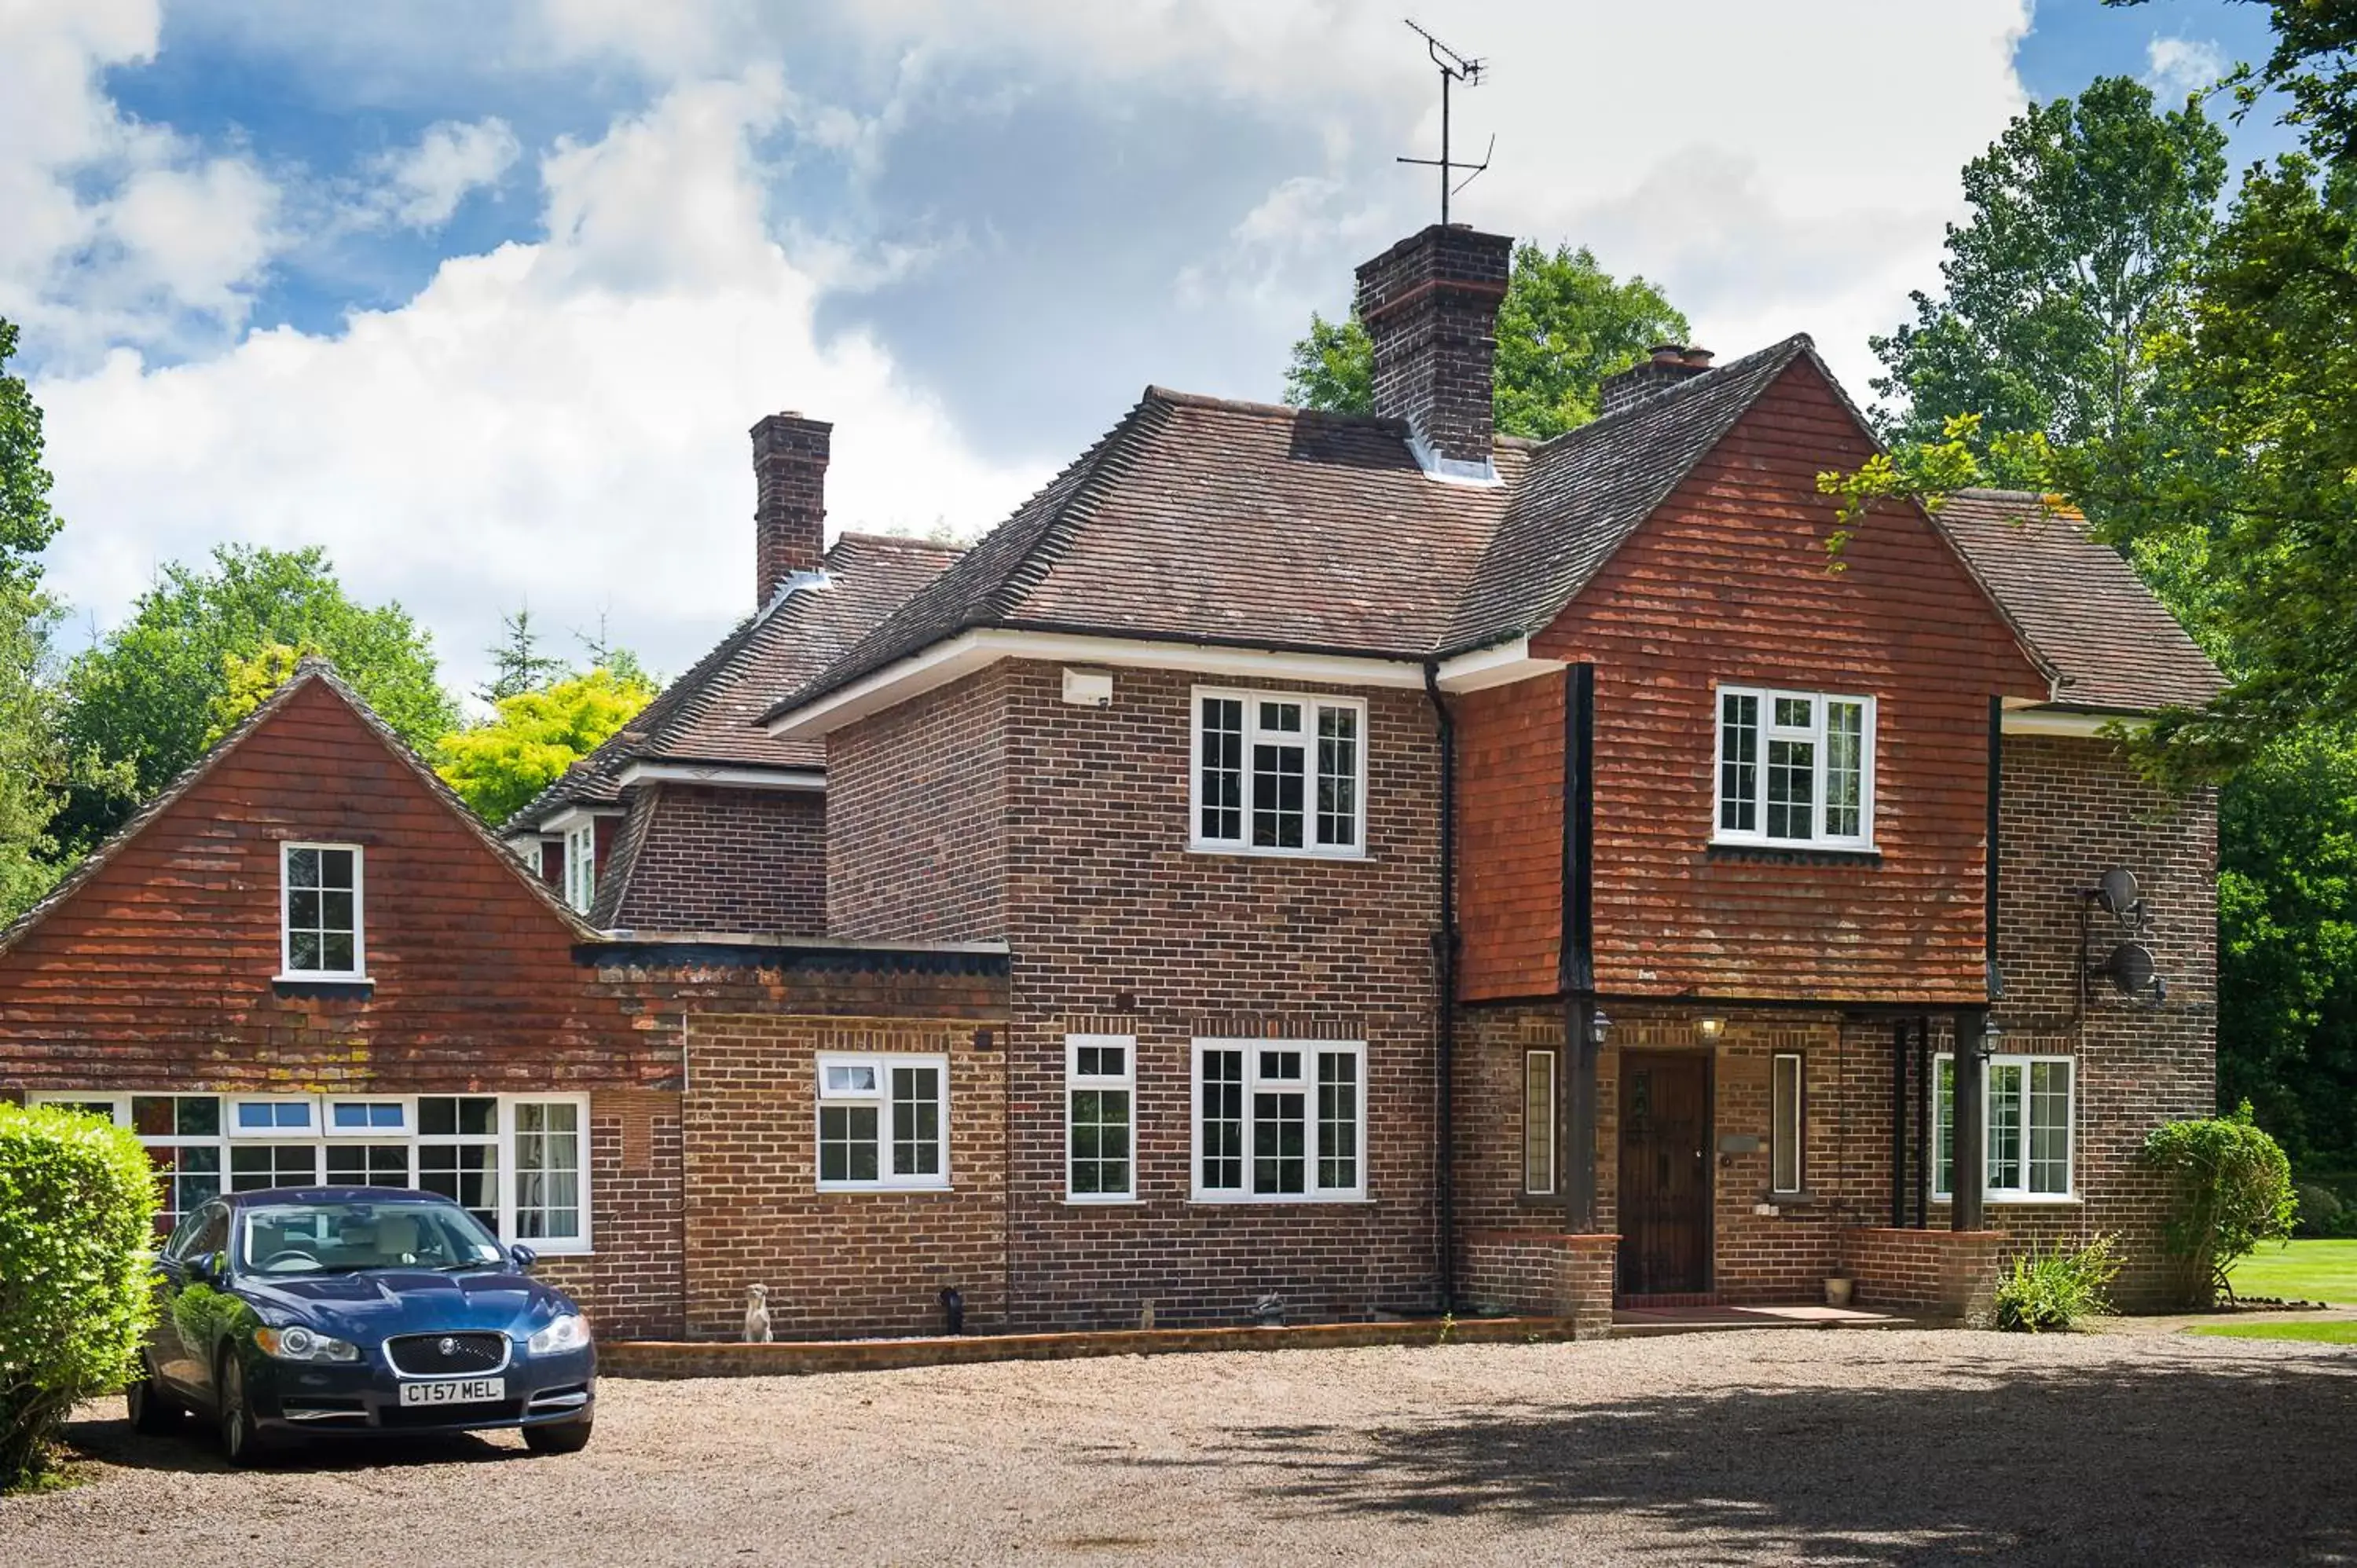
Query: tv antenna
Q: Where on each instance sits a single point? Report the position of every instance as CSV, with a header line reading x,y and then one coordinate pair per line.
x,y
1454,67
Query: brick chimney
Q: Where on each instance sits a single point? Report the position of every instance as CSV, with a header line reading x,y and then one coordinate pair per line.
x,y
1670,363
1430,303
789,506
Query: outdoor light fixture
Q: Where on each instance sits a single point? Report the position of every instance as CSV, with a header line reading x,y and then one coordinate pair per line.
x,y
1598,1027
1710,1029
1990,1037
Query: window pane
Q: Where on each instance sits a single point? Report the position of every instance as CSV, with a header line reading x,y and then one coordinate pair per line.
x,y
850,1078
1222,1110
466,1173
253,1168
1101,1061
1281,716
1792,789
1739,764
916,1121
1538,1121
1276,795
151,1115
846,1143
1338,776
1280,1064
2049,1127
1943,1127
368,1164
197,1116
1795,713
336,868
1280,1134
1100,1151
336,912
1845,768
1222,782
336,953
1784,1126
1338,1120
302,952
2004,1126
548,1169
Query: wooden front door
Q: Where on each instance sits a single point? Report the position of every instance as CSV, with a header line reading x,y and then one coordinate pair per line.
x,y
1664,1173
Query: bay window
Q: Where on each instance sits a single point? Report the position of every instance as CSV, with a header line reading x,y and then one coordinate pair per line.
x,y
1279,1121
1794,768
2026,1105
1278,774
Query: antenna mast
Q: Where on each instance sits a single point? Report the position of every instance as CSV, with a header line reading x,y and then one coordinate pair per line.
x,y
1454,67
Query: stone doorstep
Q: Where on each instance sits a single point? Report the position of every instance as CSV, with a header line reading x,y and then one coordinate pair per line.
x,y
726,1359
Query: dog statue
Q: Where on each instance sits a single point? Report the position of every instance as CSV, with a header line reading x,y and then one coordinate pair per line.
x,y
757,1314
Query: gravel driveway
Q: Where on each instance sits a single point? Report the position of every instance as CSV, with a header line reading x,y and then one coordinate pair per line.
x,y
1847,1446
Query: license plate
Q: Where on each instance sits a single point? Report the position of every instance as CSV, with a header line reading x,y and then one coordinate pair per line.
x,y
467,1390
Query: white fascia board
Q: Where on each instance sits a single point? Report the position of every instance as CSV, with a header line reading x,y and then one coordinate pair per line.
x,y
733,778
961,655
559,822
2062,721
1501,666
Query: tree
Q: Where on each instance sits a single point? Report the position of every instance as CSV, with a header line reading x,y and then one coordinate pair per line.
x,y
2075,268
33,768
1564,326
497,765
151,693
27,523
517,664
2234,1191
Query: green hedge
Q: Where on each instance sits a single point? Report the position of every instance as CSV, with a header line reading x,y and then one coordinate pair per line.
x,y
2234,1191
77,1216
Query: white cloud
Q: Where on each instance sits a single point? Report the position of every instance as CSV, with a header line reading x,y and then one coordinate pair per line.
x,y
422,186
563,421
113,230
2180,66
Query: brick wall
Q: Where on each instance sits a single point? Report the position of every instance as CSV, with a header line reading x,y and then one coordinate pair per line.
x,y
1510,839
713,859
1943,1274
916,818
1541,1274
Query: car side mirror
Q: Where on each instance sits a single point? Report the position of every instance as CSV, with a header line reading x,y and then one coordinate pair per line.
x,y
522,1257
207,1268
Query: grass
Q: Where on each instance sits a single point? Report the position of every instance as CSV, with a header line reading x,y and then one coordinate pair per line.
x,y
2343,1332
2301,1271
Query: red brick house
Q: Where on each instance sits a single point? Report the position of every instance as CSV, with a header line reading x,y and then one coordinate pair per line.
x,y
1362,859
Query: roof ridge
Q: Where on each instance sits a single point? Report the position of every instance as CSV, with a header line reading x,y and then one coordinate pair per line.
x,y
1659,398
1157,392
900,541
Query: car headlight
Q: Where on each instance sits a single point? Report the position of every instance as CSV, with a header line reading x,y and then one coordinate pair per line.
x,y
566,1331
296,1343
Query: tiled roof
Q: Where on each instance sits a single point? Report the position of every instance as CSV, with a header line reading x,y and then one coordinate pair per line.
x,y
2081,608
707,716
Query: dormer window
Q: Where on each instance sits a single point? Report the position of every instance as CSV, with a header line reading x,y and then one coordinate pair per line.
x,y
319,912
581,864
1795,769
1279,773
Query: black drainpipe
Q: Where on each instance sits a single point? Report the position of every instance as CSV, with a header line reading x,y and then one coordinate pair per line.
x,y
1443,955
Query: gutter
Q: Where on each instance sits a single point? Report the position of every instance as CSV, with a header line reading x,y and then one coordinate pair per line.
x,y
1444,953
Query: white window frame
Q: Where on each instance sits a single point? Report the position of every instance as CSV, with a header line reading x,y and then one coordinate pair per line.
x,y
2021,1195
883,1063
1797,1133
286,970
322,1141
581,865
1312,703
1076,1081
1312,1127
237,1135
1757,836
1554,1088
406,1132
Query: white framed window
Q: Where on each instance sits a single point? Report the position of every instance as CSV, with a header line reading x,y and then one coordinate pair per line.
x,y
2028,1107
1279,1121
518,1163
1538,1122
1793,768
1100,1118
319,915
581,864
1277,773
1787,1121
883,1123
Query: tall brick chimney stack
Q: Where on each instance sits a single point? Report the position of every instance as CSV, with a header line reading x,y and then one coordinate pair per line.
x,y
1430,303
1667,365
789,509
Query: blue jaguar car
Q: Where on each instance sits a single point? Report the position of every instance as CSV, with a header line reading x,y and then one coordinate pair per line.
x,y
359,1309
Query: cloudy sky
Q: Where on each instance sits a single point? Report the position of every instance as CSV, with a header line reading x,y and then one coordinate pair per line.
x,y
484,297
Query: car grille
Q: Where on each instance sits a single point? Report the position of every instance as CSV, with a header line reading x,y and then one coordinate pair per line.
x,y
446,1355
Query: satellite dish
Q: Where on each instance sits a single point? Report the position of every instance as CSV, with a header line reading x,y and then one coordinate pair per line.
x,y
2118,891
2130,967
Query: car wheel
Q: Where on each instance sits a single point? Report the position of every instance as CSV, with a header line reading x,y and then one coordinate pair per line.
x,y
152,1411
241,1441
561,1437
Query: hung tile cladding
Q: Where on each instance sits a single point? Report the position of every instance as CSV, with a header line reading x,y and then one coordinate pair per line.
x,y
1340,865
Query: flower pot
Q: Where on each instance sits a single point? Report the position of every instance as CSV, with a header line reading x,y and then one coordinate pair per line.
x,y
1837,1289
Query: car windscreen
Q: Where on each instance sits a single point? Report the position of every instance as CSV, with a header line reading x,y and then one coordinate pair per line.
x,y
338,1237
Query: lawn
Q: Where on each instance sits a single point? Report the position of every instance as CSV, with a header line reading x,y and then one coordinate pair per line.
x,y
2343,1332
2301,1271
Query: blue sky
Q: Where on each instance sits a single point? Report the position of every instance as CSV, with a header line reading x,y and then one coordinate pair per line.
x,y
483,297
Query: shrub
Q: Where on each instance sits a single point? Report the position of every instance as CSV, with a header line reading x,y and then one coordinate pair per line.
x,y
2319,1210
76,1205
2056,1288
2234,1191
